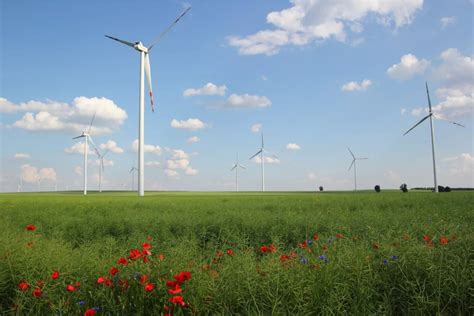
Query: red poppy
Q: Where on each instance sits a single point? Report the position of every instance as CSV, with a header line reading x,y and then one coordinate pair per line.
x,y
122,261
426,238
146,245
230,252
177,300
145,259
161,257
284,258
101,280
219,254
70,288
23,286
90,312
77,284
149,287
293,255
264,249
37,292
113,271
123,284
135,254
30,227
182,276
55,275
109,282
143,278
443,240
149,238
172,283
175,290
273,249
338,235
315,237
303,245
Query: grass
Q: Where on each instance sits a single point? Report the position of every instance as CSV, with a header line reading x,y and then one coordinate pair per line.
x,y
381,264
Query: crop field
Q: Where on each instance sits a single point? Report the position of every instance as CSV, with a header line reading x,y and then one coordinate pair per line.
x,y
237,253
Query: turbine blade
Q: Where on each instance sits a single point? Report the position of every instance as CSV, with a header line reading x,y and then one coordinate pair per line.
x,y
417,124
233,167
352,154
362,158
92,142
121,41
97,152
162,34
133,168
262,141
258,152
351,164
148,78
106,152
102,163
428,95
443,119
242,167
80,136
92,121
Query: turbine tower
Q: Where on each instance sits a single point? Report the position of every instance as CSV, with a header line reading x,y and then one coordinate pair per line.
x,y
101,165
132,171
145,68
87,139
431,115
262,152
354,163
236,167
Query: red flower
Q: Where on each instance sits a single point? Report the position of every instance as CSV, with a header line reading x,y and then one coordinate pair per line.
x,y
177,300
264,249
70,288
172,283
218,254
443,240
182,276
30,227
40,283
146,245
315,237
101,280
426,238
55,275
273,249
303,245
338,235
123,284
176,290
109,282
143,279
23,285
149,287
161,257
149,238
122,261
284,258
135,254
37,292
90,312
113,271
230,252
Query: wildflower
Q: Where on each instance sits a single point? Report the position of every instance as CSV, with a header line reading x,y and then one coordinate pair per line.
x,y
135,254
149,238
394,258
55,275
182,276
284,258
146,245
122,261
323,258
303,260
338,235
272,248
264,249
143,279
325,248
172,283
161,257
443,240
302,245
101,280
37,292
385,261
230,252
70,288
30,227
309,242
146,252
177,300
108,282
113,271
426,238
315,237
175,290
90,312
149,287
81,303
23,285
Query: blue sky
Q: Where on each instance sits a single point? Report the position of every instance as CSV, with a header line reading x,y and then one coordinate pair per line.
x,y
319,76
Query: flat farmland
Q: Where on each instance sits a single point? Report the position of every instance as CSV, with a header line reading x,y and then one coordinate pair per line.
x,y
237,253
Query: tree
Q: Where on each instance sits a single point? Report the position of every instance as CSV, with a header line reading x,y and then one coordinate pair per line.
x,y
404,188
321,188
377,188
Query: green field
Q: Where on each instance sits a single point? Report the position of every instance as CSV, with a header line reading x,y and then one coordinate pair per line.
x,y
369,255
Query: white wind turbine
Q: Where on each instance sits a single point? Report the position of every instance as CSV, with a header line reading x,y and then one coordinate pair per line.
x,y
101,165
236,167
262,152
431,115
87,139
354,163
145,68
132,171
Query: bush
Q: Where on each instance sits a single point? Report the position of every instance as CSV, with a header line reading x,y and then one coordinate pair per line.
x,y
321,188
377,188
404,188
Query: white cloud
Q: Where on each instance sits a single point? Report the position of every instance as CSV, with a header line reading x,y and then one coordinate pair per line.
x,y
191,172
293,146
355,86
193,139
178,153
75,117
246,101
152,149
256,128
177,164
112,147
461,166
192,124
107,163
31,174
171,173
268,160
22,156
78,170
408,67
307,21
403,111
78,148
263,77
208,89
419,111
447,20
153,163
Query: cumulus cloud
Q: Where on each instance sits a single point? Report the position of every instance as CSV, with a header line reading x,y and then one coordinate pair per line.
x,y
245,101
193,139
74,117
78,170
152,163
152,149
22,156
207,89
355,86
31,174
307,21
78,148
447,21
408,67
293,146
191,172
111,146
403,111
460,166
256,128
268,160
192,124
171,173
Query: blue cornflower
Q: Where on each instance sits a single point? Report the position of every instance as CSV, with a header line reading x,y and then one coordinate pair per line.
x,y
81,303
303,260
136,275
96,308
323,258
385,261
309,242
394,257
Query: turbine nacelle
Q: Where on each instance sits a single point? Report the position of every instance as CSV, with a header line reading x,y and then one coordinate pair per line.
x,y
140,47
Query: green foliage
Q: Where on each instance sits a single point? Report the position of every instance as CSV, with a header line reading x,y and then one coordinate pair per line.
x,y
83,236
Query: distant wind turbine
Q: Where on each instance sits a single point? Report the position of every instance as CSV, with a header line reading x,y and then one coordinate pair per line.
x,y
145,68
431,115
262,152
87,139
236,167
101,165
354,163
132,171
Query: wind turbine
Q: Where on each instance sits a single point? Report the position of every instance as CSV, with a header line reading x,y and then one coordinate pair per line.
x,y
132,171
87,139
145,68
262,152
101,166
354,163
236,167
431,115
